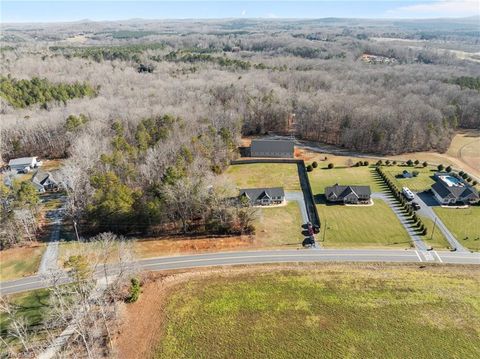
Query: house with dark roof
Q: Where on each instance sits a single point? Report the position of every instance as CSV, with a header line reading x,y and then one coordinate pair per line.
x,y
348,194
262,196
272,148
44,181
449,189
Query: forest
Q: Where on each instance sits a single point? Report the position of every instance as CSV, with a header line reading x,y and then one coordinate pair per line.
x,y
148,114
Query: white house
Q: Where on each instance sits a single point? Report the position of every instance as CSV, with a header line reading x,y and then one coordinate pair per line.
x,y
24,164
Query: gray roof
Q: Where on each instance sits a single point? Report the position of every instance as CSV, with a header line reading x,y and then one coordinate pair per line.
x,y
445,191
254,194
339,191
22,161
286,146
40,177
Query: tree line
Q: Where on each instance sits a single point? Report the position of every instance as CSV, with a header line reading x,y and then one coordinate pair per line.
x,y
23,93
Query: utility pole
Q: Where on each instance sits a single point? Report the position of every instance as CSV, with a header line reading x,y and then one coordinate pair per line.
x,y
433,230
325,231
76,231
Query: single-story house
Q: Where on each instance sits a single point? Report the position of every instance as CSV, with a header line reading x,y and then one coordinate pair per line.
x,y
44,181
348,194
272,148
263,196
24,164
450,190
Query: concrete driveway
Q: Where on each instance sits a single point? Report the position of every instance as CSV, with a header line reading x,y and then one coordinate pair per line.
x,y
426,202
388,199
298,197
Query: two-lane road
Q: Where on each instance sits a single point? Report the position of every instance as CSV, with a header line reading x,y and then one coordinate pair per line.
x,y
269,256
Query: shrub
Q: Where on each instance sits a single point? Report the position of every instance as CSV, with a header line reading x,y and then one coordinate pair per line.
x,y
415,173
394,163
474,183
330,165
425,164
409,163
366,163
357,164
134,290
309,168
465,175
379,163
440,167
461,173
314,164
448,169
387,162
469,179
416,162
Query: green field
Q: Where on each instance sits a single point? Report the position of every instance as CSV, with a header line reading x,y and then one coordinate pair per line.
x,y
279,226
326,311
438,241
361,226
321,178
32,306
422,182
265,175
464,223
20,262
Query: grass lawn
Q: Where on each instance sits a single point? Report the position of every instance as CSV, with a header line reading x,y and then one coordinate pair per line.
x,y
20,262
438,242
422,182
279,226
32,306
358,226
464,223
322,177
265,175
327,311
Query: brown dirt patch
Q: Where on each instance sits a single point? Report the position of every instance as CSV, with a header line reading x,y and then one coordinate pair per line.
x,y
182,245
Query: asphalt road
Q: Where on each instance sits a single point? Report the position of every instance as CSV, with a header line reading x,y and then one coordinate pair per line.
x,y
271,256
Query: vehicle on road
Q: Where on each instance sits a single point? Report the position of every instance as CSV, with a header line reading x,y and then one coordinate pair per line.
x,y
310,229
415,206
408,194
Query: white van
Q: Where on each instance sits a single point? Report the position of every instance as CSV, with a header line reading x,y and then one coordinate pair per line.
x,y
407,193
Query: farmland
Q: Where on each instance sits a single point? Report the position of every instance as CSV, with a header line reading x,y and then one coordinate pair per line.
x,y
350,311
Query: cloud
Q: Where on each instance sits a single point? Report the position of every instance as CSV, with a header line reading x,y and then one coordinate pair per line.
x,y
244,12
438,8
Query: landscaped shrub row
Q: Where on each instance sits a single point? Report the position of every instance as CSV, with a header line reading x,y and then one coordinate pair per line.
x,y
404,203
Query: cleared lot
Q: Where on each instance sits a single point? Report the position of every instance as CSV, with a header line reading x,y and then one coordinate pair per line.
x,y
265,175
20,262
360,311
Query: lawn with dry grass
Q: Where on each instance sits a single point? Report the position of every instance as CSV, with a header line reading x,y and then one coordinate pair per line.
x,y
20,262
254,175
279,226
318,310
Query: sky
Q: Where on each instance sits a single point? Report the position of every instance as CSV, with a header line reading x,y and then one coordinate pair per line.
x,y
74,10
